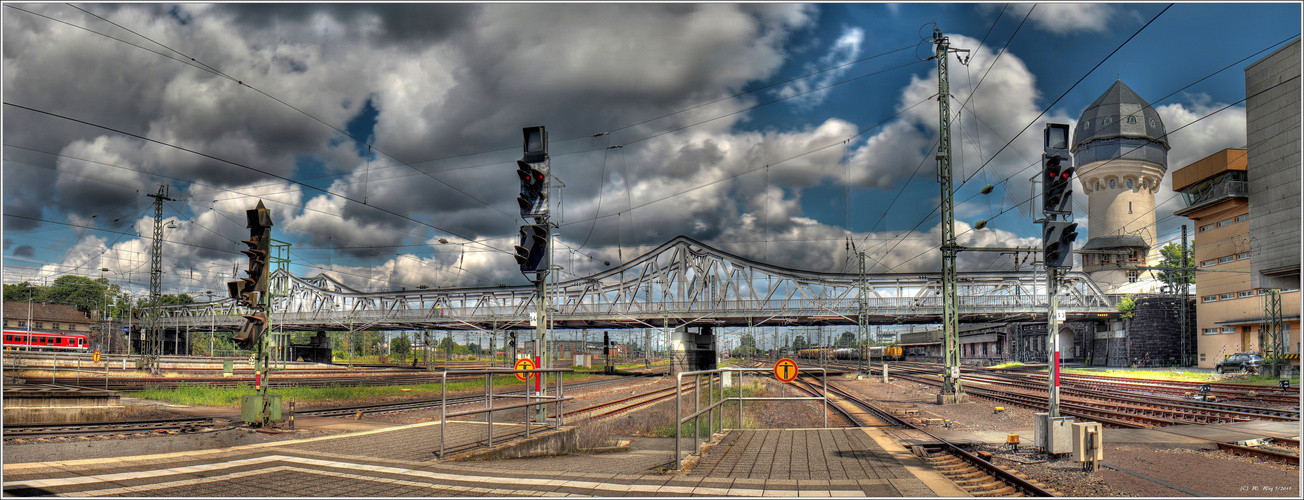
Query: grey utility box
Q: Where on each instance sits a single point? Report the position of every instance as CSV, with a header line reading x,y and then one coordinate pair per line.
x,y
1088,442
1053,434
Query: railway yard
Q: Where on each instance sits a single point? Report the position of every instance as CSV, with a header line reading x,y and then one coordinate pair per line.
x,y
1160,438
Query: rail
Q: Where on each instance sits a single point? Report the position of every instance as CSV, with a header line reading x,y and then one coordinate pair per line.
x,y
540,399
712,403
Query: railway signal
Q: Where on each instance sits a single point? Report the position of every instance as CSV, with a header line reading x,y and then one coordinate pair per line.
x,y
248,291
532,252
1057,243
535,171
252,330
1057,171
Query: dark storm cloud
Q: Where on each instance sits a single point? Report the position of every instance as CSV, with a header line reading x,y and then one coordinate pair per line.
x,y
413,23
24,251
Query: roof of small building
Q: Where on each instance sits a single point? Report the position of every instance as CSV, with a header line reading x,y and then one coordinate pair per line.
x,y
1106,242
1106,118
45,312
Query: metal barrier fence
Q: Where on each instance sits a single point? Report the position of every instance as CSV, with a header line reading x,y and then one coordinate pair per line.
x,y
713,417
531,399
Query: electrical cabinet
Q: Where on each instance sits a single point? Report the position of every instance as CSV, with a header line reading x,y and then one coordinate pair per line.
x,y
1053,434
1088,442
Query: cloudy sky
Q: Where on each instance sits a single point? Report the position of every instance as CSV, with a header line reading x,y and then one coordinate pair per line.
x,y
374,132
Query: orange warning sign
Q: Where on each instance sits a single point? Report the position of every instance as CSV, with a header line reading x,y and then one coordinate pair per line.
x,y
785,370
524,364
96,358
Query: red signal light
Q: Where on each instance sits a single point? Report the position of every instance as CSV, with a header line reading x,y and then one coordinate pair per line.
x,y
1066,175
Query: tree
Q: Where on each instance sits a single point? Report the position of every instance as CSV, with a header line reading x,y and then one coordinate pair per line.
x,y
400,346
173,300
23,292
799,343
847,339
746,345
1171,256
83,293
1126,307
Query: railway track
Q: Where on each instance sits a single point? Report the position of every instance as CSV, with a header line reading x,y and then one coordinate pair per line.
x,y
124,428
611,408
1269,453
971,473
1110,406
422,404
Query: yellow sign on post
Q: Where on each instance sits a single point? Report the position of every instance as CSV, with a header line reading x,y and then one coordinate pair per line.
x,y
785,370
96,358
524,364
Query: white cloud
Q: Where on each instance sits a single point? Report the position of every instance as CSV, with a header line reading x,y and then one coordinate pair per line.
x,y
1066,18
843,51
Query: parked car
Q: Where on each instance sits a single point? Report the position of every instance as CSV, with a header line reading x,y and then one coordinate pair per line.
x,y
1241,361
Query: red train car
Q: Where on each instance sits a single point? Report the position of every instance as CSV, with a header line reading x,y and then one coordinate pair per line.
x,y
45,341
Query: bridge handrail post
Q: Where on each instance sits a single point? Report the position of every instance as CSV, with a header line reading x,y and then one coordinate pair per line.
x,y
443,409
679,380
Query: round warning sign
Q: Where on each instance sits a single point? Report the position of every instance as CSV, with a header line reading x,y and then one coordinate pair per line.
x,y
524,364
785,370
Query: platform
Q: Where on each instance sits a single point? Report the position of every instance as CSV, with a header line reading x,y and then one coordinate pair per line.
x,y
59,404
399,461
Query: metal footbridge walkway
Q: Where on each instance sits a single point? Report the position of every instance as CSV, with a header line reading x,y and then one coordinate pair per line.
x,y
681,282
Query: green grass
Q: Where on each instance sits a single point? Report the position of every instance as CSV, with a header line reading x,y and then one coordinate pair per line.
x,y
200,395
1011,364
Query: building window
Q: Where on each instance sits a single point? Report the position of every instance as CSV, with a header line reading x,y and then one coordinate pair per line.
x,y
1201,356
1241,218
1208,263
22,324
1209,298
1229,329
1210,331
1129,204
1206,227
1224,260
55,326
1131,275
1153,123
1112,184
1227,296
1245,293
38,325
1131,119
1129,186
1108,120
1242,256
1226,222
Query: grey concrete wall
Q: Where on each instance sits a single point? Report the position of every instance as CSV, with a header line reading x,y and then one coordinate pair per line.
x,y
1273,140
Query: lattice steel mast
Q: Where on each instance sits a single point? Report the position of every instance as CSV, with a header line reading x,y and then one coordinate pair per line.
x,y
952,390
152,346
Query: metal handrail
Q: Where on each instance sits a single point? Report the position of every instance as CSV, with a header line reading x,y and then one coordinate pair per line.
x,y
713,404
531,400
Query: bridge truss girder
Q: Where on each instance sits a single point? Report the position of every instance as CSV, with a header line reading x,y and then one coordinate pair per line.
x,y
682,281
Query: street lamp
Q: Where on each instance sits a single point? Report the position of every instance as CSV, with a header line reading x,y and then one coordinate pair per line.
x,y
104,324
212,322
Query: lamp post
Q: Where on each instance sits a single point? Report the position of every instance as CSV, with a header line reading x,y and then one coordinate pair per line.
x,y
212,322
29,289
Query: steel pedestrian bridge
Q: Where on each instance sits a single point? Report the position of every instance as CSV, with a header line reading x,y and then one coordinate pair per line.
x,y
682,282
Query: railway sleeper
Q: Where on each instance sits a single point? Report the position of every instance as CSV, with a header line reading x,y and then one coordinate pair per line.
x,y
1007,491
971,475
